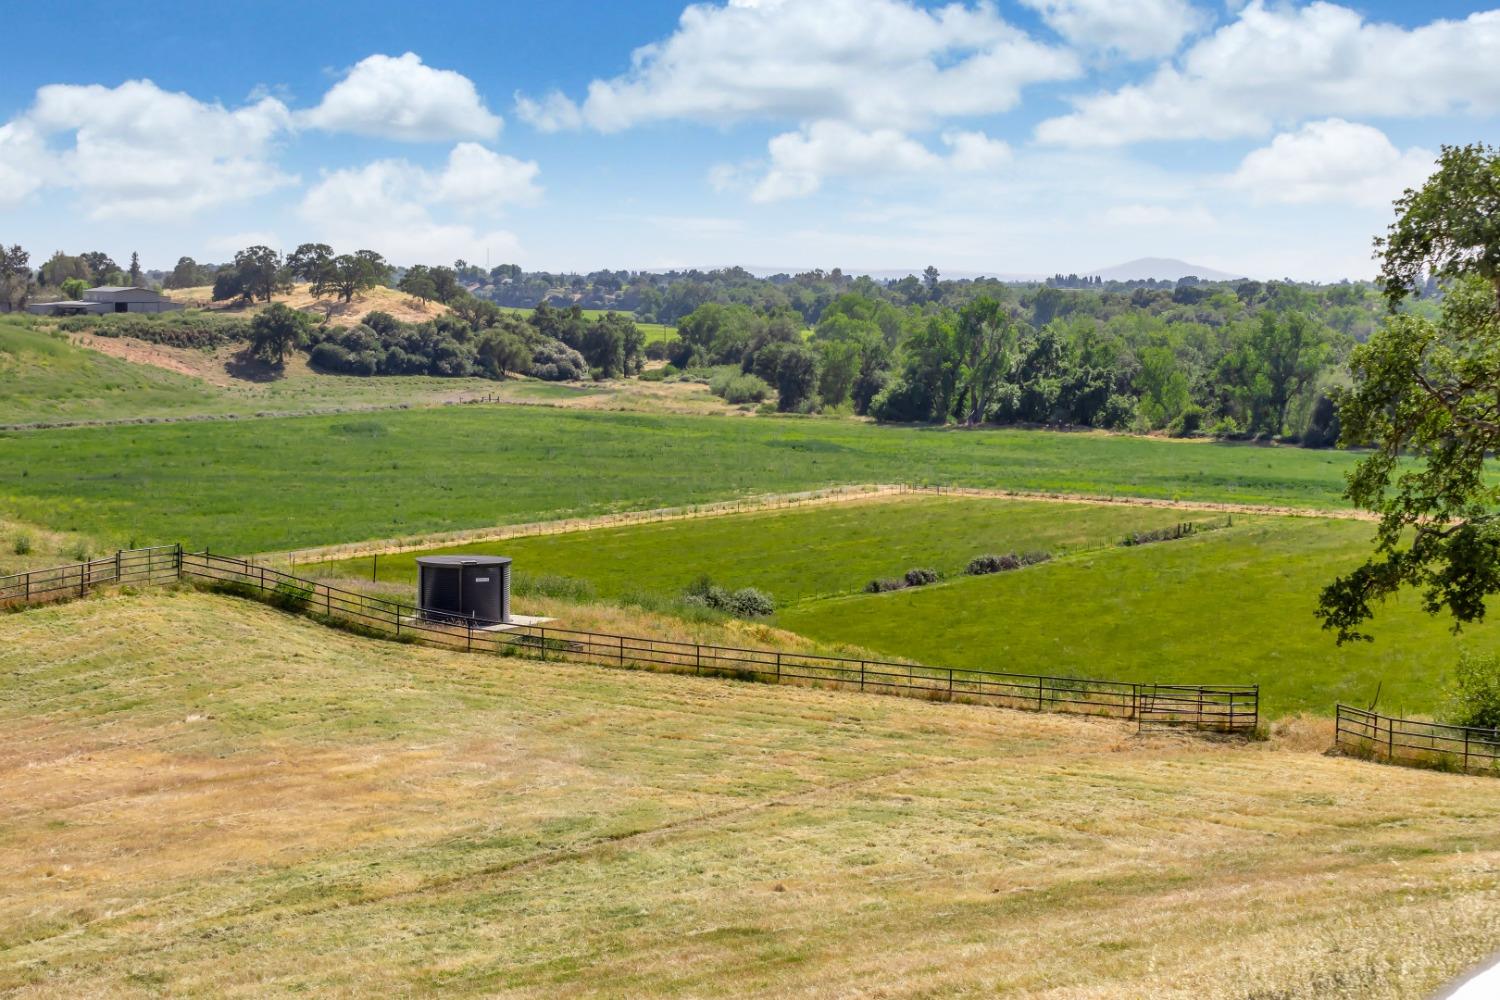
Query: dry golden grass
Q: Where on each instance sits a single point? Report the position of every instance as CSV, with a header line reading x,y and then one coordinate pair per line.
x,y
200,795
400,305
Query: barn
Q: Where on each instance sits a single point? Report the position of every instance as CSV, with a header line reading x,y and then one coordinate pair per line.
x,y
108,299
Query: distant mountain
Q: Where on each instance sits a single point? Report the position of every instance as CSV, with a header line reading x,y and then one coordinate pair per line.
x,y
1160,269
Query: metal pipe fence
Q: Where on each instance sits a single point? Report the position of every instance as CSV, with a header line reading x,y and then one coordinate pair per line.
x,y
1217,708
1230,709
1425,744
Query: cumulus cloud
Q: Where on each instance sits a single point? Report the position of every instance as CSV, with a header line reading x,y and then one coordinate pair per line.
x,y
400,97
137,151
1277,65
800,160
1332,161
878,64
405,211
24,162
1135,29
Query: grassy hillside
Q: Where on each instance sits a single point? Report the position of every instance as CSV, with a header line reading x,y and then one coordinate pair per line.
x,y
275,484
43,378
799,554
1234,605
207,797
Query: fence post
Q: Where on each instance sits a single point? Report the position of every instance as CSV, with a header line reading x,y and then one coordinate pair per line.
x,y
469,639
778,666
1038,694
1390,738
697,658
83,577
543,630
861,675
177,559
1466,750
950,683
622,650
119,555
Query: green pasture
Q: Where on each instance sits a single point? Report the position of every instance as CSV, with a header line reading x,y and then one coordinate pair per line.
x,y
1229,606
801,553
251,486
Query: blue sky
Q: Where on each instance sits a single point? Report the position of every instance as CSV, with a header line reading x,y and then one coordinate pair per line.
x,y
1023,137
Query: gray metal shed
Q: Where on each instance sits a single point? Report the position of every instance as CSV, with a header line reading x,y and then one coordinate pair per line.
x,y
128,298
476,588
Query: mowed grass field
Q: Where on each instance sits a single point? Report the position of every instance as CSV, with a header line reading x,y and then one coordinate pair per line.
x,y
802,553
274,484
202,796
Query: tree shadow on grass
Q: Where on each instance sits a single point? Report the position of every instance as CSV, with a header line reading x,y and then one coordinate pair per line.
x,y
245,366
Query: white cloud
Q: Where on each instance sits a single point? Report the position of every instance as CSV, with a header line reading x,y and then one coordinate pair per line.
x,y
403,210
24,162
878,64
553,113
1136,29
137,151
975,152
399,97
1332,161
800,160
1284,64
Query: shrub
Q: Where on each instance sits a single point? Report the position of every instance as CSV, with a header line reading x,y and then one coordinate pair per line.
x,y
1034,556
656,350
744,603
552,585
1474,692
884,585
174,329
554,361
739,388
1188,422
920,577
290,596
80,552
21,545
749,602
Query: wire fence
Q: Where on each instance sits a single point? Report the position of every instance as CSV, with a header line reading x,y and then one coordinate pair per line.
x,y
1230,709
1424,744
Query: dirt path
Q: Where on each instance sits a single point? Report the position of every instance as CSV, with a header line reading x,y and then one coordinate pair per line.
x,y
774,501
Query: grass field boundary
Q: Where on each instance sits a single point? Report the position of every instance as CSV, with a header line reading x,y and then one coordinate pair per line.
x,y
767,502
568,525
144,566
1366,734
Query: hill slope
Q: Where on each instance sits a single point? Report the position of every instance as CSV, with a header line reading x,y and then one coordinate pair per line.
x,y
389,300
1160,269
204,796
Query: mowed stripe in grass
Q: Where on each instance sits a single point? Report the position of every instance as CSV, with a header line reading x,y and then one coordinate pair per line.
x,y
802,553
203,796
282,483
1229,606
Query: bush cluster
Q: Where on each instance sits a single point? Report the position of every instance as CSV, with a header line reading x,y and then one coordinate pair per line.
x,y
982,565
918,577
736,387
554,361
173,329
1173,533
747,602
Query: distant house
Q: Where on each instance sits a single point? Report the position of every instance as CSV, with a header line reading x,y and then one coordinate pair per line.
x,y
108,299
